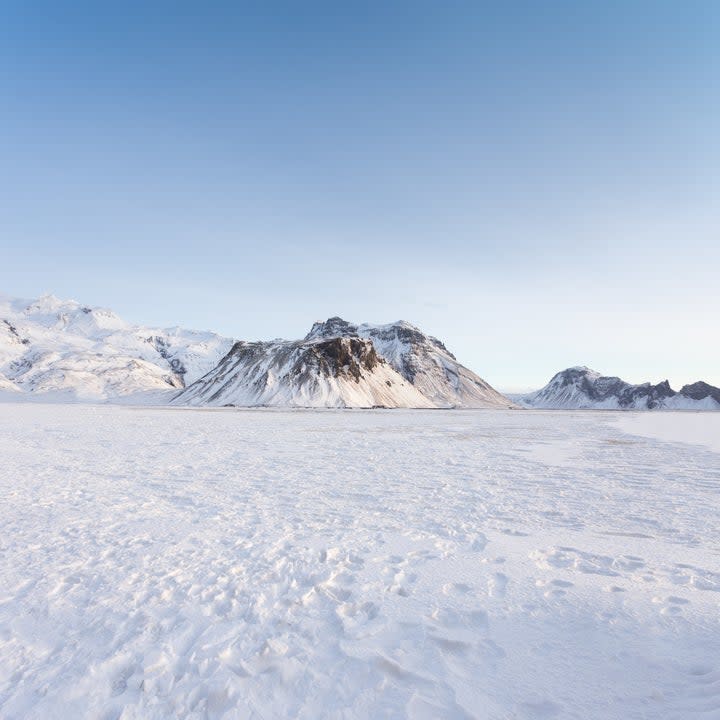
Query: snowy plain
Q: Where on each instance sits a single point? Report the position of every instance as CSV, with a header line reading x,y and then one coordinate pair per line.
x,y
508,565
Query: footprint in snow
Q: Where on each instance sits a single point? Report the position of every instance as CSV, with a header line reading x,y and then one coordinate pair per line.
x,y
456,589
554,588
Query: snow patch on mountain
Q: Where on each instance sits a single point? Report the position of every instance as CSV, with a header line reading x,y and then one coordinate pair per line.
x,y
8,385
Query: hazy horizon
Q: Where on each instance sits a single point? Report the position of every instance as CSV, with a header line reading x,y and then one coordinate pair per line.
x,y
536,187
268,336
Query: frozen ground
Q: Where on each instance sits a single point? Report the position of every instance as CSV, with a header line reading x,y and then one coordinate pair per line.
x,y
504,565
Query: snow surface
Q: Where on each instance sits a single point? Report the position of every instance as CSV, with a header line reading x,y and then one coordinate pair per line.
x,y
696,428
509,565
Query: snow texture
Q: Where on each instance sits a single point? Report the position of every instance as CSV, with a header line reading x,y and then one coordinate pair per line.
x,y
222,563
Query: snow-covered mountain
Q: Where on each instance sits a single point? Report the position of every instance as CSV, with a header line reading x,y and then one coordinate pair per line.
x,y
334,372
339,364
581,387
60,349
422,360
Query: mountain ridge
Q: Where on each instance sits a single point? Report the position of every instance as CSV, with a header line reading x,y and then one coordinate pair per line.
x,y
53,349
580,387
61,350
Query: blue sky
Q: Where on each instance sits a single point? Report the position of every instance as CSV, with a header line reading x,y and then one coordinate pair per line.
x,y
535,183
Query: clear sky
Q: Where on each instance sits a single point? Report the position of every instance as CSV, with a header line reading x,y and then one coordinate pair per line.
x,y
536,183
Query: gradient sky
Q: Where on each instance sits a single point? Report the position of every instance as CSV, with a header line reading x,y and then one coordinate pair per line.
x,y
537,184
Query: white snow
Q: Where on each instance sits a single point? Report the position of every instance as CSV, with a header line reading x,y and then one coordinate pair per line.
x,y
510,565
698,428
435,372
61,350
7,385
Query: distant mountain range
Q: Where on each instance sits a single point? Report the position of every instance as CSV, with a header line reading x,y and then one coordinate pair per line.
x,y
581,387
60,350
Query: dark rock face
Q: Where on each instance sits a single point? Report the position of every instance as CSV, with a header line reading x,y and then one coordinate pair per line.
x,y
162,347
700,390
14,333
651,395
347,356
603,387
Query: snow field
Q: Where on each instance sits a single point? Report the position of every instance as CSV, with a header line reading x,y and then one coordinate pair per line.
x,y
181,563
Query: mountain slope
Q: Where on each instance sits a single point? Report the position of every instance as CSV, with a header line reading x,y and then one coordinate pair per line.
x,y
54,349
581,387
701,393
320,372
339,364
422,360
60,349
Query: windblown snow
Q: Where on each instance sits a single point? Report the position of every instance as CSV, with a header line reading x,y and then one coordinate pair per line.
x,y
220,563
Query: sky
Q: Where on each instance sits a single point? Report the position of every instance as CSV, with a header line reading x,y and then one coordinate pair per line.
x,y
537,184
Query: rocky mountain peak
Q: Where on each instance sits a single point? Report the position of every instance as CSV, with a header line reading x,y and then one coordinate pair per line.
x,y
573,375
332,327
700,391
